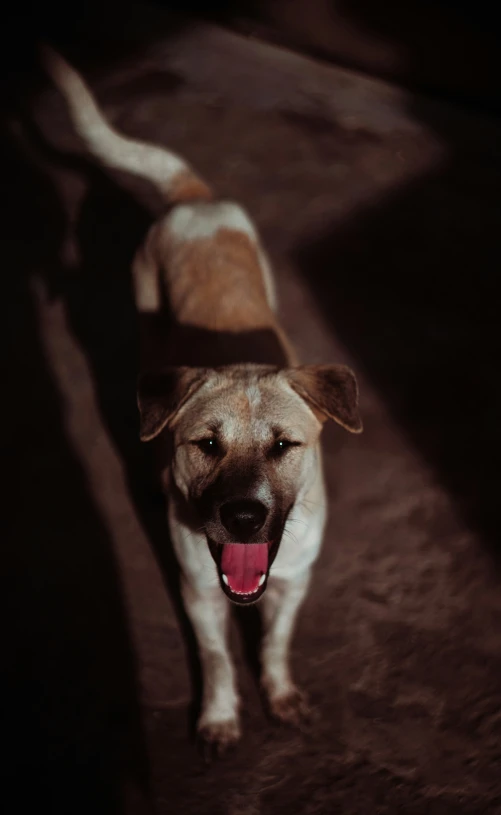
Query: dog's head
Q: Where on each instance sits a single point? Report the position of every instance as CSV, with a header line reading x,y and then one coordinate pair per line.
x,y
245,446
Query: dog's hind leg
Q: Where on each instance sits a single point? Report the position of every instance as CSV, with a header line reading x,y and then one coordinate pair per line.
x,y
146,276
207,608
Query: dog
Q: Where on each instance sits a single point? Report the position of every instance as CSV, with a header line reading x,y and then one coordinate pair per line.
x,y
238,417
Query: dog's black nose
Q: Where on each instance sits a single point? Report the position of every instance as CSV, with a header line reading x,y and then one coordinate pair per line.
x,y
243,519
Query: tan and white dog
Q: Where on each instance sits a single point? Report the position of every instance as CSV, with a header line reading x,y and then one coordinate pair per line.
x,y
240,417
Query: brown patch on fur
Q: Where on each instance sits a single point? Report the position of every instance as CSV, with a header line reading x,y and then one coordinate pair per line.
x,y
218,282
187,186
216,310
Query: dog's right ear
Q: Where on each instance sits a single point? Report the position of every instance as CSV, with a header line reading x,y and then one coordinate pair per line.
x,y
162,394
331,392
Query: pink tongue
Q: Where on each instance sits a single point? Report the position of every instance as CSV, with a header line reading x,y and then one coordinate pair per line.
x,y
244,564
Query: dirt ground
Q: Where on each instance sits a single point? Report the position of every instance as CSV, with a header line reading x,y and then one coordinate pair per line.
x,y
381,213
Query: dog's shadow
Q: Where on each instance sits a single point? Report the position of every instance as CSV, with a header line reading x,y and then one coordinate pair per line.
x,y
101,312
69,687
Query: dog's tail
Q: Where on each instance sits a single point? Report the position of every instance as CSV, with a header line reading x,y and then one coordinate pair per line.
x,y
170,174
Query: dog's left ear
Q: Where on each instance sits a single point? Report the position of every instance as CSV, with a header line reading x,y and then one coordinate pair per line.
x,y
331,391
162,394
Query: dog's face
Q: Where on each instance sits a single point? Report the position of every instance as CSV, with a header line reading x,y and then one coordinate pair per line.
x,y
245,448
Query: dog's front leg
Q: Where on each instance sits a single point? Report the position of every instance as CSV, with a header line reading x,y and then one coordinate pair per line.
x,y
280,605
208,609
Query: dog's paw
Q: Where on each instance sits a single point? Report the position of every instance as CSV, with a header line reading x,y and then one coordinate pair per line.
x,y
215,738
291,708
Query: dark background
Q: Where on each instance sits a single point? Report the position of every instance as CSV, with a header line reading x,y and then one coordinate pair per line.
x,y
449,49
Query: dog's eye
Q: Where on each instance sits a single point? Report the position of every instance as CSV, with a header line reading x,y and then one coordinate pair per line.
x,y
282,445
208,446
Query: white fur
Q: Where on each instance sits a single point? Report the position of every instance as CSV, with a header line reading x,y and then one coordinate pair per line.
x,y
208,610
269,282
263,494
280,605
288,582
305,526
146,278
253,395
204,219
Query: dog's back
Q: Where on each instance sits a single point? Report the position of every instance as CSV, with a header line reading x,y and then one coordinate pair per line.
x,y
206,253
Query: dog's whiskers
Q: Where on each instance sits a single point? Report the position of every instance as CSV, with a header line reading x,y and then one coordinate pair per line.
x,y
297,521
314,504
193,533
291,536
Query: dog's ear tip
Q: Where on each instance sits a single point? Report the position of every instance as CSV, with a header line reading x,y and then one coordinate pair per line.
x,y
353,425
145,431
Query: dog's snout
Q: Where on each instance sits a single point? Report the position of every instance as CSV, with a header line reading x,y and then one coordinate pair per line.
x,y
243,519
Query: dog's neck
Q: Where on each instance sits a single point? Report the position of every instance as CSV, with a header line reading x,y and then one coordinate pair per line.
x,y
193,346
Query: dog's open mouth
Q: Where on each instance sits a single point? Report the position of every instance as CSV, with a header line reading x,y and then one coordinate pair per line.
x,y
243,569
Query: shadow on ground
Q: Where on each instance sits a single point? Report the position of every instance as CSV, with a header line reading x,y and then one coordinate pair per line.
x,y
411,287
70,715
